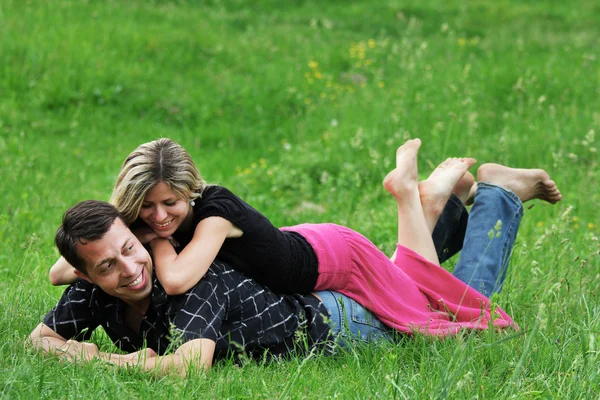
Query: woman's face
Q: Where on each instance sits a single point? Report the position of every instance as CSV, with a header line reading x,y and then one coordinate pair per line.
x,y
163,210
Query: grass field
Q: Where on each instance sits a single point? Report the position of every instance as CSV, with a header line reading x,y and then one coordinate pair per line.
x,y
298,107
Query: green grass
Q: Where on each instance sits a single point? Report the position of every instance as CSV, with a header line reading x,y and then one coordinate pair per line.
x,y
298,107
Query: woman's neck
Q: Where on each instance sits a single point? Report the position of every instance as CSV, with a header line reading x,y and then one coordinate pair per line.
x,y
188,222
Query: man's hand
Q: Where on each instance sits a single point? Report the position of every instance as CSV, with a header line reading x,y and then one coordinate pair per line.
x,y
49,341
198,353
73,350
142,354
131,359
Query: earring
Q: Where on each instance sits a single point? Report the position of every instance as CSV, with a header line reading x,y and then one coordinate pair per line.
x,y
192,203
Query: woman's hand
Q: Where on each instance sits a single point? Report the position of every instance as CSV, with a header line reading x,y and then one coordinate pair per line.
x,y
145,234
169,239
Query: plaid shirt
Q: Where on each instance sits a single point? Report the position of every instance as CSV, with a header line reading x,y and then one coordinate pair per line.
x,y
225,306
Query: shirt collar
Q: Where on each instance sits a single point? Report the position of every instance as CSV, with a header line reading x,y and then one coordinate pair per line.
x,y
158,298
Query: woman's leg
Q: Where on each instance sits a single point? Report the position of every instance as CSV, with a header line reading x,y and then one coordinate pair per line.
x,y
449,232
435,196
415,226
402,183
447,217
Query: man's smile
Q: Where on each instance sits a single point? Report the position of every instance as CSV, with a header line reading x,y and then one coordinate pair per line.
x,y
139,281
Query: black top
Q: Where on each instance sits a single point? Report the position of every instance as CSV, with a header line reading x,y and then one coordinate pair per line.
x,y
282,260
225,306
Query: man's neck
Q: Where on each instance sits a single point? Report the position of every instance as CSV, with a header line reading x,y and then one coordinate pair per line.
x,y
138,307
135,312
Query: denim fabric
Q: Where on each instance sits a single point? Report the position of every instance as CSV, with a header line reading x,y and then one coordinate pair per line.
x,y
488,244
449,232
350,321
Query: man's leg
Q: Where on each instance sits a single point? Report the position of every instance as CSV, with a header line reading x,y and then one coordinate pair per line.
x,y
490,235
350,321
494,221
449,232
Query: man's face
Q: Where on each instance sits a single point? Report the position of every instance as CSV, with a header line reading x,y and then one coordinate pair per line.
x,y
118,264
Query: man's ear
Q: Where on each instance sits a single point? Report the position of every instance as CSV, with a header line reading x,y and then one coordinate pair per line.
x,y
83,276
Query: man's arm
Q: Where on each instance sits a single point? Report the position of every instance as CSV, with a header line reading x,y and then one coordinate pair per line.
x,y
45,339
196,354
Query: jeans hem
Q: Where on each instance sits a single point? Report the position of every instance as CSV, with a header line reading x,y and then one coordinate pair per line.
x,y
515,199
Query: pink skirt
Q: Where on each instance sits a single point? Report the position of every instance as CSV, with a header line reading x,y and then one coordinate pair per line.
x,y
409,294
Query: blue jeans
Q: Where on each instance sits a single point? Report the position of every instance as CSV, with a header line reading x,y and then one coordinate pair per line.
x,y
491,232
482,265
350,321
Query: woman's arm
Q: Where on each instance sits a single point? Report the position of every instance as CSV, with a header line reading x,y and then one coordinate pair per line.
x,y
62,273
180,272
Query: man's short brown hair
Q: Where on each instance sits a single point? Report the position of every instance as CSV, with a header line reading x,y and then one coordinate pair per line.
x,y
85,222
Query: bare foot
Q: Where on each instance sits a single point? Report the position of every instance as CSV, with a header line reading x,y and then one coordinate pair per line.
x,y
435,190
527,184
464,189
404,178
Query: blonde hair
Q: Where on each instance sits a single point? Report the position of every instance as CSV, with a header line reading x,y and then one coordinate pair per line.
x,y
161,160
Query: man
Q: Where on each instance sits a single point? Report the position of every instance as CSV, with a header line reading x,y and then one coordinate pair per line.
x,y
119,292
226,311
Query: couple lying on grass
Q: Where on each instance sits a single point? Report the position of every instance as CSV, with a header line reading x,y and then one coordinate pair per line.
x,y
221,278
